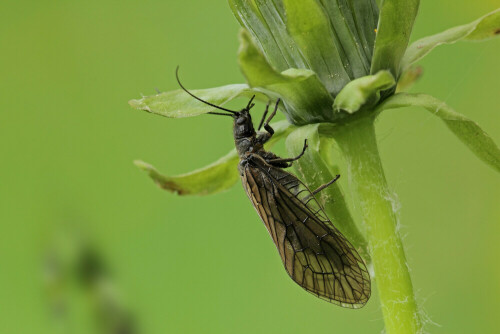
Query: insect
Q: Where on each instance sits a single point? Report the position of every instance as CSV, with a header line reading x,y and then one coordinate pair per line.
x,y
314,253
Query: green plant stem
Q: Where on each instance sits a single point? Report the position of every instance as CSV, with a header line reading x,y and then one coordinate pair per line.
x,y
358,143
317,169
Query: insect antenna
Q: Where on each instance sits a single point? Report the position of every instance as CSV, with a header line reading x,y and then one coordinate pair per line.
x,y
219,113
208,103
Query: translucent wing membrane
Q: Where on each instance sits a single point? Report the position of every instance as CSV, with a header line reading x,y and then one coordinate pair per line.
x,y
315,254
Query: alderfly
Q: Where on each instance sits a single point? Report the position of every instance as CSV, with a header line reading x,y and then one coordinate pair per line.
x,y
313,251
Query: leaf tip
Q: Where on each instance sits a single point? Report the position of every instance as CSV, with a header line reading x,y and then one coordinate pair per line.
x,y
143,165
139,104
161,181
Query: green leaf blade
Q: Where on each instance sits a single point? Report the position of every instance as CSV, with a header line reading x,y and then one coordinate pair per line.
x,y
393,33
274,18
310,28
468,131
214,178
306,100
178,104
354,24
485,27
334,39
363,92
366,17
265,21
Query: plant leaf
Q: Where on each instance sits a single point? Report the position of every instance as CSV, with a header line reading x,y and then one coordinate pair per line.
x,y
310,28
265,21
353,24
468,131
178,103
485,27
334,39
214,178
306,100
314,171
393,33
363,92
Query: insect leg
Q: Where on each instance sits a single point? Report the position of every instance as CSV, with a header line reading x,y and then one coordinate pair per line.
x,y
321,187
250,104
263,116
264,137
290,160
325,185
266,123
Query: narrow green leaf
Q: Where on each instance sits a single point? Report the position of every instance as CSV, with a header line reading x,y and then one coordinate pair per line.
x,y
469,132
265,21
353,25
485,27
306,100
363,92
393,33
314,171
333,38
214,178
178,103
310,28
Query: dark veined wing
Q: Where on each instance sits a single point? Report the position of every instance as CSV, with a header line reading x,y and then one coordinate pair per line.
x,y
315,254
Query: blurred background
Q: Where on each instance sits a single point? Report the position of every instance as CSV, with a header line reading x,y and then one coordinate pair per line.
x,y
88,244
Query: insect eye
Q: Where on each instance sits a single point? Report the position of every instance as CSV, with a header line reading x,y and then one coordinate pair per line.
x,y
240,121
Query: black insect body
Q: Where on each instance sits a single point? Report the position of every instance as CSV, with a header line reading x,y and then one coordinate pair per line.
x,y
314,253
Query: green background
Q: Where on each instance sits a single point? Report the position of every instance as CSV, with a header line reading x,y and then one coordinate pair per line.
x,y
206,264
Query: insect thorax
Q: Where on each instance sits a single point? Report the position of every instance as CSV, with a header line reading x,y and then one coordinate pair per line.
x,y
244,145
